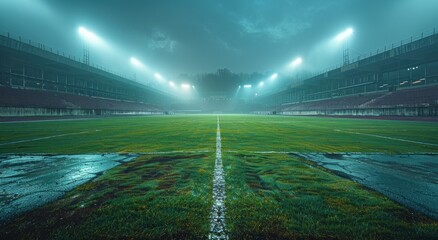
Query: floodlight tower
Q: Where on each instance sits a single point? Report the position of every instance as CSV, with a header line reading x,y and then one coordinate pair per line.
x,y
346,56
343,37
88,38
86,55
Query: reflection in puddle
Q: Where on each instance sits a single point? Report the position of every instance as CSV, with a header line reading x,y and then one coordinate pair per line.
x,y
30,181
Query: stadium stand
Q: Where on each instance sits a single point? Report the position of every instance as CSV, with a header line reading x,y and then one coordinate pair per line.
x,y
334,103
400,81
425,96
19,98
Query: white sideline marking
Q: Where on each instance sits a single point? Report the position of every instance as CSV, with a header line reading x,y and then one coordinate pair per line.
x,y
390,138
217,216
43,138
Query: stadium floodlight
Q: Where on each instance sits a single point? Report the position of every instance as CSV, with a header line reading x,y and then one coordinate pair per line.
x,y
185,86
296,62
343,35
247,86
158,76
134,61
273,76
88,35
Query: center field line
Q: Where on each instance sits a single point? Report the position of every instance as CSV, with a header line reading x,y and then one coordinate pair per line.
x,y
217,215
43,138
390,138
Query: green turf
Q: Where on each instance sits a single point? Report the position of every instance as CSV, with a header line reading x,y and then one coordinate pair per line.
x,y
152,197
273,196
168,195
124,135
245,133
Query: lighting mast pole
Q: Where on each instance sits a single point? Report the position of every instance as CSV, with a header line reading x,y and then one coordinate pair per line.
x,y
344,38
346,54
86,55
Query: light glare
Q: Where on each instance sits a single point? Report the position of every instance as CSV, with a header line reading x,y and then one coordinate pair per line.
x,y
273,76
88,36
296,62
158,76
343,35
247,86
135,62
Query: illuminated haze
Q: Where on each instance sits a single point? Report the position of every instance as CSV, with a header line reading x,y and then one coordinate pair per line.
x,y
193,37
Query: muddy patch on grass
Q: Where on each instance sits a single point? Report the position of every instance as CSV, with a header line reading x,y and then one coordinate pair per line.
x,y
164,159
254,181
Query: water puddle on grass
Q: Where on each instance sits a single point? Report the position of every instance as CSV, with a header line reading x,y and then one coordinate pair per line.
x,y
29,181
410,179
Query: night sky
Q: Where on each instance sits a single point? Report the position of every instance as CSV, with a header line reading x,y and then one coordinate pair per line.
x,y
201,36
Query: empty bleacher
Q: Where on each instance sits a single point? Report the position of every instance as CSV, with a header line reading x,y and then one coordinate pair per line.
x,y
20,98
333,103
423,96
410,97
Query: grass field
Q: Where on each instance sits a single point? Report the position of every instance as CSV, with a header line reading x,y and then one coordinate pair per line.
x,y
166,192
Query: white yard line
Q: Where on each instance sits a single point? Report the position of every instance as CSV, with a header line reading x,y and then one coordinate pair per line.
x,y
43,138
390,138
217,215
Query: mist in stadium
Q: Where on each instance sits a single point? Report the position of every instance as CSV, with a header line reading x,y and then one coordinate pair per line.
x,y
267,119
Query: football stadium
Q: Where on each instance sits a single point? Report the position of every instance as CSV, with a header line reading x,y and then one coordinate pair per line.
x,y
218,119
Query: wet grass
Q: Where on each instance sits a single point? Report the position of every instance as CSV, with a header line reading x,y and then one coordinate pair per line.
x,y
109,135
271,196
152,197
240,132
246,133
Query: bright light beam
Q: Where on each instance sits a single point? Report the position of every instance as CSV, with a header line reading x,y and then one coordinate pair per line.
x,y
158,76
185,86
89,36
296,62
343,35
273,76
134,61
261,84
